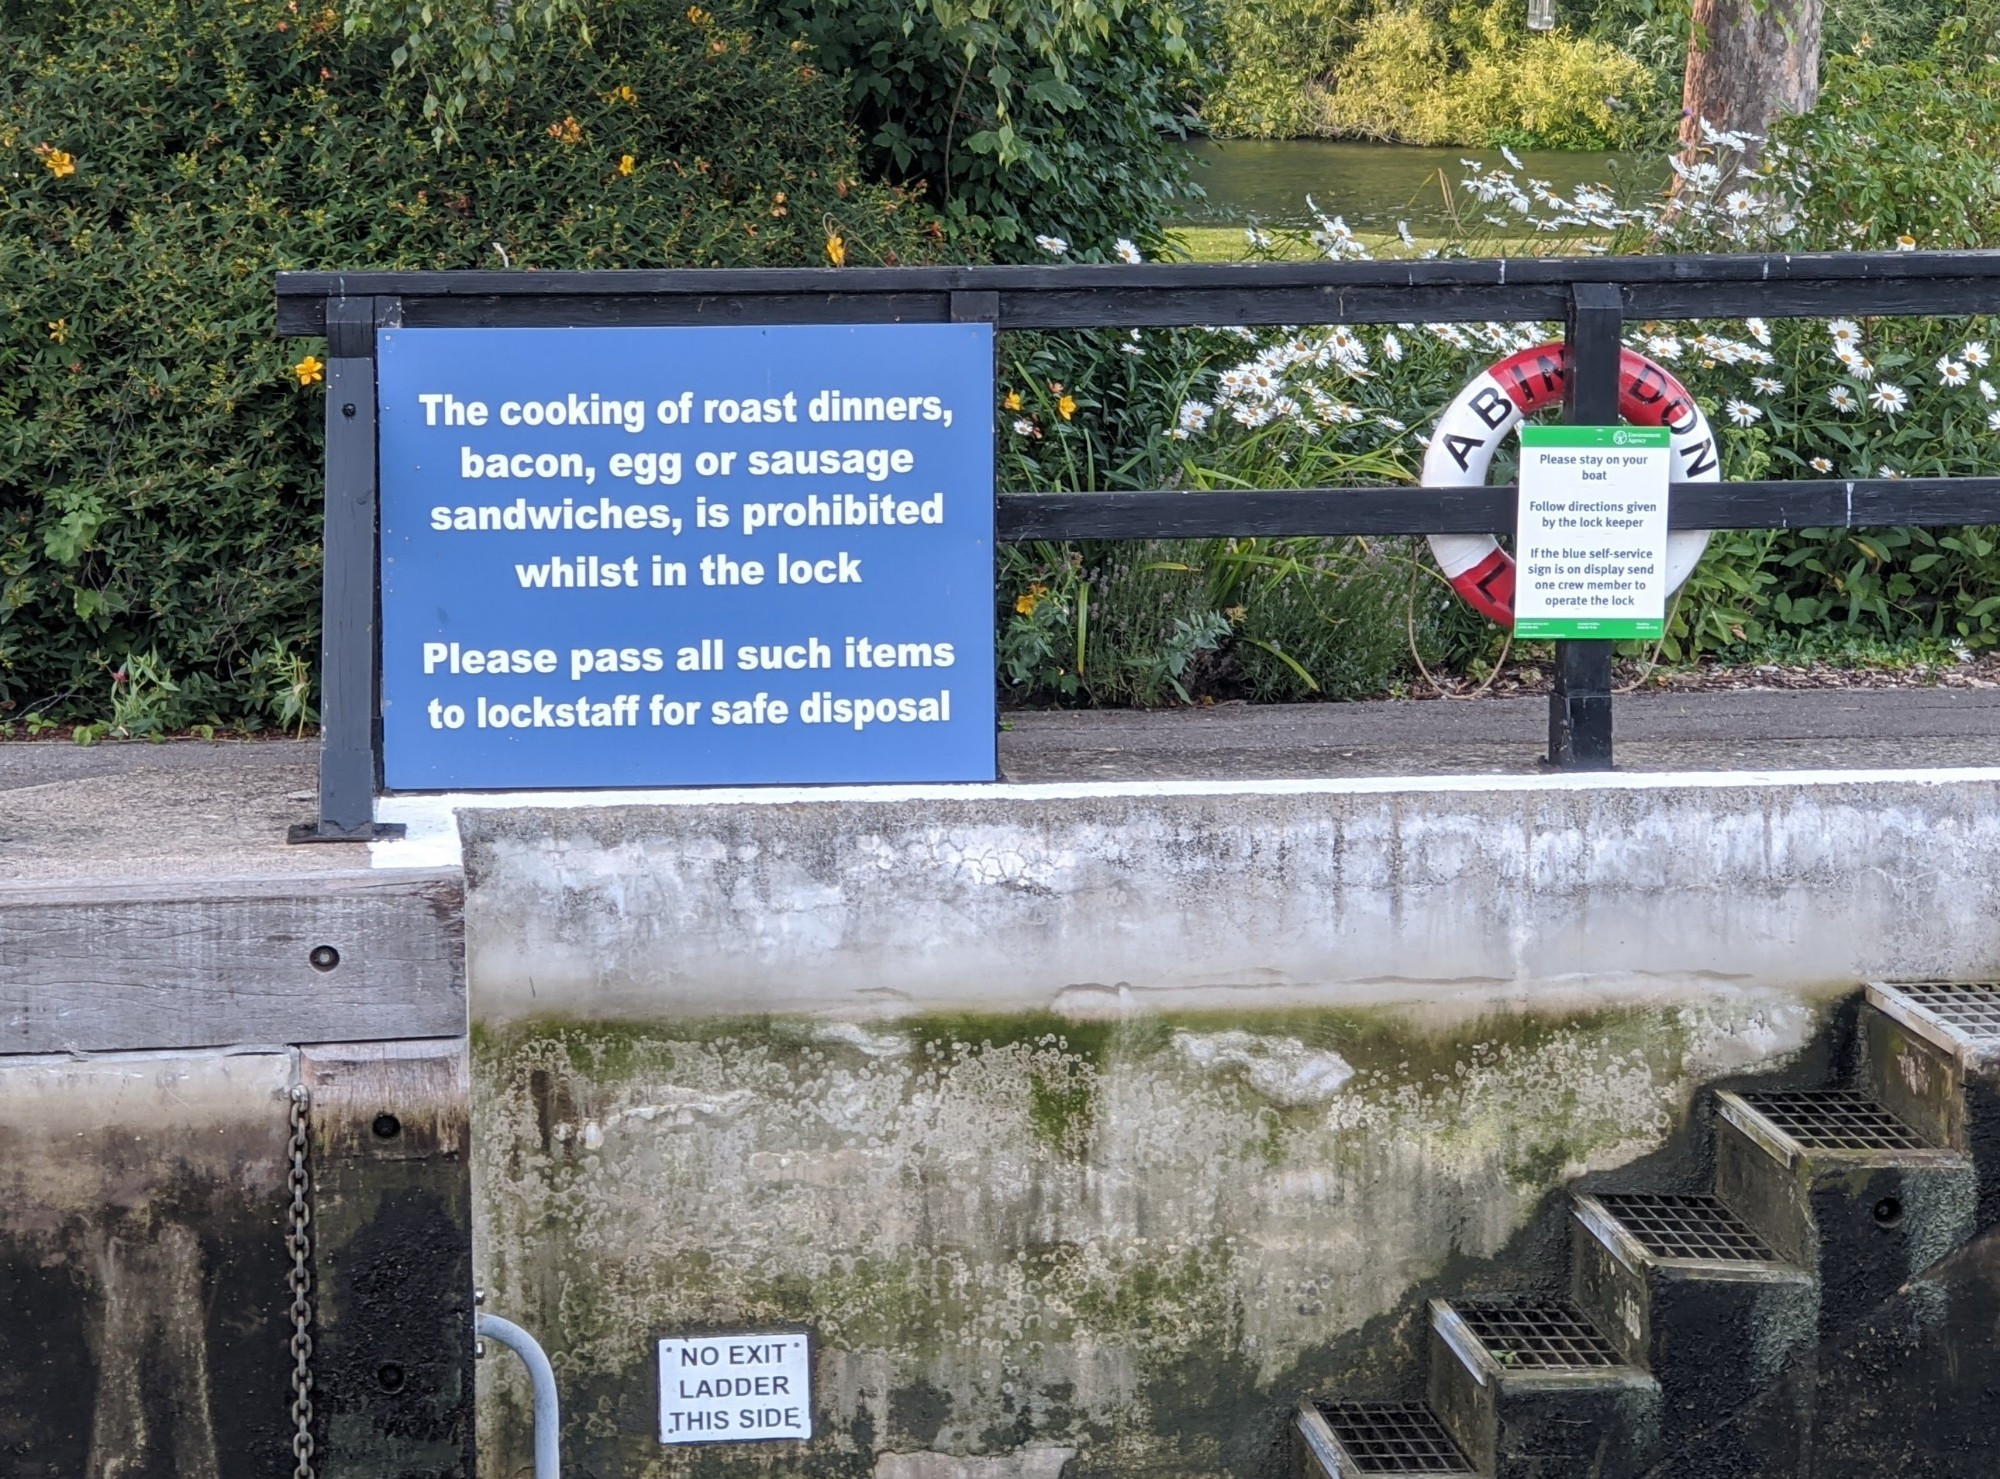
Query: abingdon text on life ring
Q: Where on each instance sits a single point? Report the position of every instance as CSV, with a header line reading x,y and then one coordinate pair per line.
x,y
1485,414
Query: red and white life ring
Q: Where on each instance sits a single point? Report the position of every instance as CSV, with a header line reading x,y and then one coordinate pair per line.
x,y
1485,414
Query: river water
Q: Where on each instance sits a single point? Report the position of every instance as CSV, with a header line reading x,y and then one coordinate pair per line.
x,y
1377,185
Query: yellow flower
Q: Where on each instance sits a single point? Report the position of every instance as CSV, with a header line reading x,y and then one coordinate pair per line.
x,y
627,164
310,371
569,131
836,249
1066,407
1026,603
622,94
59,330
698,17
60,164
1013,401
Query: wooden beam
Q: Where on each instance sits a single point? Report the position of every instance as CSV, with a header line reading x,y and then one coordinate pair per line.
x,y
334,957
1179,513
392,1257
142,1266
1118,296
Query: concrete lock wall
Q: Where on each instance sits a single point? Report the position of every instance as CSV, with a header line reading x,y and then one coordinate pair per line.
x,y
1084,1131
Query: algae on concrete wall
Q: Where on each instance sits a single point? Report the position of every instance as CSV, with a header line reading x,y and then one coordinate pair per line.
x,y
1114,1245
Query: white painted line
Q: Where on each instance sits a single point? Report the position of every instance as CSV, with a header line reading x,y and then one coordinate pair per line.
x,y
431,818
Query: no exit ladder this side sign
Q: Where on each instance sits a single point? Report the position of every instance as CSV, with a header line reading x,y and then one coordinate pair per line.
x,y
735,1388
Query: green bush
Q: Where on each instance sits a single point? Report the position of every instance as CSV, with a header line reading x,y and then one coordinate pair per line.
x,y
1424,73
1019,119
159,461
1277,58
1896,151
1410,78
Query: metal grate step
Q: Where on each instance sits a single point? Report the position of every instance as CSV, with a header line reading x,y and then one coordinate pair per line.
x,y
1833,1119
1966,1009
1675,1226
1535,1334
1393,1438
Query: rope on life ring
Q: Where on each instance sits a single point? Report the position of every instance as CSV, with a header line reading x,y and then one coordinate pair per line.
x,y
1497,400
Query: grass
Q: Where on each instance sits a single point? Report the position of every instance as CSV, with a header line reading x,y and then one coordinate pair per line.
x,y
1228,244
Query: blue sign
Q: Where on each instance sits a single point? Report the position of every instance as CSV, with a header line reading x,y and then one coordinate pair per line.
x,y
670,557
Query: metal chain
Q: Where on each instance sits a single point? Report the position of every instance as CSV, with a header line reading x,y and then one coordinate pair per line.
x,y
298,1242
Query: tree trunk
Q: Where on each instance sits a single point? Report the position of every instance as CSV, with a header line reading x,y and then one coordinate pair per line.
x,y
1750,62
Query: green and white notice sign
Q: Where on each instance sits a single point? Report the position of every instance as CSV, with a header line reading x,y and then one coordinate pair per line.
x,y
1590,546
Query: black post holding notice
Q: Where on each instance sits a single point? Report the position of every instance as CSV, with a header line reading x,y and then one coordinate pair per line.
x,y
1580,706
349,744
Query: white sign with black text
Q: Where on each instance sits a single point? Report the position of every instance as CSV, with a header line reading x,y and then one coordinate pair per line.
x,y
1590,542
735,1388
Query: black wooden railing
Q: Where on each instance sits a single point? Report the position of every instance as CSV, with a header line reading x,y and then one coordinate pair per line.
x,y
1593,297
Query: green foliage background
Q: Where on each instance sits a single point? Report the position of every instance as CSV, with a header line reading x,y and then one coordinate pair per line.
x,y
159,453
1020,118
1895,153
159,462
1429,72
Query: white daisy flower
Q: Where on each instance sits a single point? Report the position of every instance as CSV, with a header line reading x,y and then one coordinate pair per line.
x,y
1759,330
1858,365
1952,372
1194,416
1842,399
1390,423
1906,243
1055,246
1743,413
1844,331
1739,205
1975,354
1765,385
1023,427
1664,347
1126,251
1886,471
1987,392
1993,420
1392,349
1889,398
1820,464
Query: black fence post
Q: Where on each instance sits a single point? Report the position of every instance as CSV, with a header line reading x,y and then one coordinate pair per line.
x,y
349,752
1580,705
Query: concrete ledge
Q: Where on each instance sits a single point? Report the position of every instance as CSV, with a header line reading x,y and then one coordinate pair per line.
x,y
1192,896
